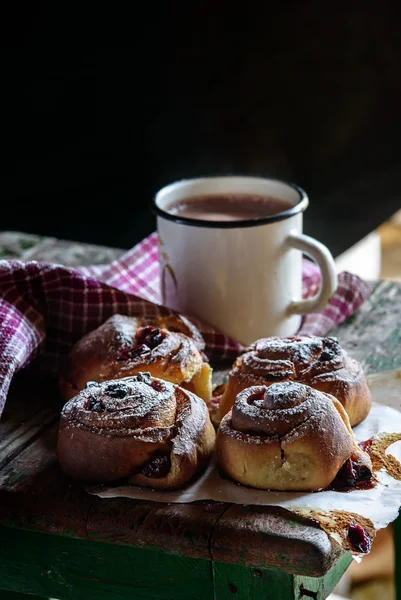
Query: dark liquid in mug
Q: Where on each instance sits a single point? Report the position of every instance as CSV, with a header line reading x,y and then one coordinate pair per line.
x,y
228,207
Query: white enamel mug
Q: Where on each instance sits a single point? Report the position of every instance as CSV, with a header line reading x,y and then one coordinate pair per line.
x,y
242,277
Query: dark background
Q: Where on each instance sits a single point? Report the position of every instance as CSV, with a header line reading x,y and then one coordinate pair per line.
x,y
302,91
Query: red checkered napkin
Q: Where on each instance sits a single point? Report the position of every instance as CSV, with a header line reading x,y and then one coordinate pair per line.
x,y
46,308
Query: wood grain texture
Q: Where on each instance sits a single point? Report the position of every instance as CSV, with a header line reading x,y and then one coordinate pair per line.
x,y
373,334
65,568
263,537
32,404
183,529
34,494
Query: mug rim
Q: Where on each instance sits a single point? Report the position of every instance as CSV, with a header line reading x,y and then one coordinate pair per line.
x,y
299,207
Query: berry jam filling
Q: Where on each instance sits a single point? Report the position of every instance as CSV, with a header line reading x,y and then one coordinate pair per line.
x,y
351,475
326,355
143,332
116,389
257,396
94,405
366,444
150,336
158,466
359,538
147,338
157,385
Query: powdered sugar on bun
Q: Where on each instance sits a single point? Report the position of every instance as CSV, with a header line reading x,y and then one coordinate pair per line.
x,y
146,430
287,436
169,347
315,361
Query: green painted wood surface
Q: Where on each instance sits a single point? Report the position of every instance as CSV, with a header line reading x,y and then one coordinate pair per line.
x,y
64,568
234,582
44,565
320,588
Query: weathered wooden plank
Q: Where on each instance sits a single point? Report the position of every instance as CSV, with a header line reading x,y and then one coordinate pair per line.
x,y
234,582
265,537
373,334
32,404
177,528
34,494
64,568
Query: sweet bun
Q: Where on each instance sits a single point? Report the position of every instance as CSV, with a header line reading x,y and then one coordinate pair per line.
x,y
287,437
315,361
139,429
169,347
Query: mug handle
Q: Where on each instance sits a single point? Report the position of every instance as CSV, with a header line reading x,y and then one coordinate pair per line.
x,y
322,257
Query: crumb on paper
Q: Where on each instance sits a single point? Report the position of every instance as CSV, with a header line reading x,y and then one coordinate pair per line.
x,y
381,460
337,523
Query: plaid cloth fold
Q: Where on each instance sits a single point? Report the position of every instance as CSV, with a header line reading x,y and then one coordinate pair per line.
x,y
46,308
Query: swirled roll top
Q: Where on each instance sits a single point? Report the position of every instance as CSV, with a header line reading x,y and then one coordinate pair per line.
x,y
169,347
315,361
141,429
274,411
286,436
132,403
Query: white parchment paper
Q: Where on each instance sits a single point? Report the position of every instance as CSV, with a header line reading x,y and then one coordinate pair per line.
x,y
380,504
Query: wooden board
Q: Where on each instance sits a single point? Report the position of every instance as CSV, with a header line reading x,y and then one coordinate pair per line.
x,y
233,582
35,496
35,563
27,413
261,536
65,568
373,334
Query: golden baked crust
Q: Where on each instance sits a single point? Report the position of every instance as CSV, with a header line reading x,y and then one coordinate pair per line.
x,y
141,429
286,437
315,361
169,347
